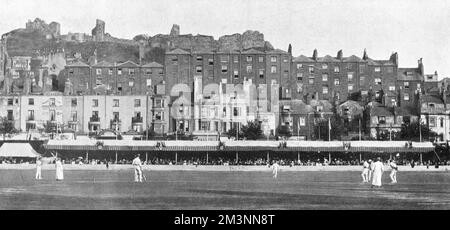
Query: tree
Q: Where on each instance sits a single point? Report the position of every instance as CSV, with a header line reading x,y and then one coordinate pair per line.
x,y
232,132
284,131
411,131
6,127
252,130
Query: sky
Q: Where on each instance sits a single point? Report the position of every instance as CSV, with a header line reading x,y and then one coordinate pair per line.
x,y
413,28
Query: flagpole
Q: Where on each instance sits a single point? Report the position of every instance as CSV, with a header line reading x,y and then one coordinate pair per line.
x,y
360,129
329,129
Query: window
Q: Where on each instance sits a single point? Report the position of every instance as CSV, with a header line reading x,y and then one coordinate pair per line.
x,y
224,58
349,65
285,59
406,97
116,116
161,71
273,59
325,77
261,73
119,87
137,102
236,73
30,101
175,60
131,83
377,81
52,115
73,115
31,115
236,111
70,71
110,71
224,69
299,76
210,61
116,103
235,59
273,69
299,66
406,84
324,66
198,69
441,122
98,81
337,81
98,71
311,69
95,103
148,71
261,59
299,87
52,101
382,120
119,71
199,58
302,121
362,68
325,90
391,88
350,87
362,79
249,69
158,116
336,69
409,73
432,121
131,71
311,80
249,59
377,69
350,76
10,101
393,102
10,115
74,102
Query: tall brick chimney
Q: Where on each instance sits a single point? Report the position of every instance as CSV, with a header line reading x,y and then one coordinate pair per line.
x,y
314,57
365,56
394,58
420,66
339,55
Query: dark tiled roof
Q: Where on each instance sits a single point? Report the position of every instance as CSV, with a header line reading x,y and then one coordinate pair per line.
x,y
303,58
277,51
432,98
252,51
103,64
405,111
178,51
381,111
403,76
352,58
153,65
78,63
128,64
327,58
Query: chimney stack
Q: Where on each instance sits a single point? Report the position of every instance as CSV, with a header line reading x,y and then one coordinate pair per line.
x,y
339,55
365,56
421,68
314,57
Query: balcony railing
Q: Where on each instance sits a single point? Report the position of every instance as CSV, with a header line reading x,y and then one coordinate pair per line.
x,y
94,119
116,120
136,120
30,118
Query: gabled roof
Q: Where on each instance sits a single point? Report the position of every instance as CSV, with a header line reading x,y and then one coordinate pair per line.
x,y
352,58
432,98
128,64
277,51
103,64
372,62
153,65
385,62
381,111
327,58
78,63
252,51
303,58
203,51
178,51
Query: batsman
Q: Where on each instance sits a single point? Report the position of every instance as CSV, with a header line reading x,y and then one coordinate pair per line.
x,y
137,169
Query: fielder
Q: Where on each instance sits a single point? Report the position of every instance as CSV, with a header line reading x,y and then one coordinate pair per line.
x,y
365,172
394,170
38,168
59,170
137,169
275,167
370,162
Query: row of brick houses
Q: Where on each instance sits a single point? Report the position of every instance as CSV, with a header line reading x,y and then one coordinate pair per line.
x,y
213,91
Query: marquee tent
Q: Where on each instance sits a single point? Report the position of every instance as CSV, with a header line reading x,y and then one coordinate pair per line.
x,y
18,150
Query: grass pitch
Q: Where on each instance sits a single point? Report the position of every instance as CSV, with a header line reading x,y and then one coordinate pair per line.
x,y
114,189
